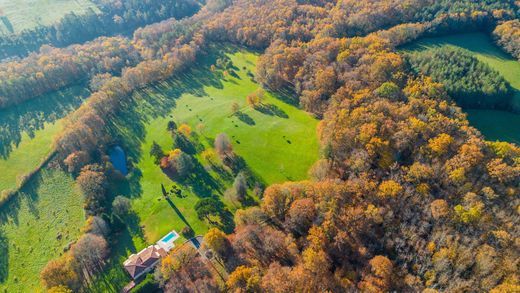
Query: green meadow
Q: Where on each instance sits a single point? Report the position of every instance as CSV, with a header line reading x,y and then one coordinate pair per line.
x,y
276,145
493,124
35,227
27,132
37,223
17,15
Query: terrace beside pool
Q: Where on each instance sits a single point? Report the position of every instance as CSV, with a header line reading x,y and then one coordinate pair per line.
x,y
167,241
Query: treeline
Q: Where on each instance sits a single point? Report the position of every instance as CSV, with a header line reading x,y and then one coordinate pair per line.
x,y
116,17
473,84
507,36
52,69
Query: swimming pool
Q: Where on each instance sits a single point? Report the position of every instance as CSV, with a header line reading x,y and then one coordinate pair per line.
x,y
169,237
167,241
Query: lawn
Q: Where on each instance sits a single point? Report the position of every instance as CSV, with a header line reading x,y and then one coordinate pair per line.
x,y
277,146
17,15
36,227
495,125
27,132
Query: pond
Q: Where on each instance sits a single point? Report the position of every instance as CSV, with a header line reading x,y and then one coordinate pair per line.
x,y
118,159
493,124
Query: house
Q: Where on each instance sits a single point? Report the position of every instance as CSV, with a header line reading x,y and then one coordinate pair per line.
x,y
144,261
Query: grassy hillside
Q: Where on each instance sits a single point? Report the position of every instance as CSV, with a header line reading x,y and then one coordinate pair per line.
x,y
17,15
277,146
495,125
27,132
36,227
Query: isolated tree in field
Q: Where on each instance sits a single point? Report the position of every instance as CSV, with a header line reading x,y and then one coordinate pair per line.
x,y
172,126
253,100
185,130
59,272
156,152
89,254
240,187
235,108
121,206
223,146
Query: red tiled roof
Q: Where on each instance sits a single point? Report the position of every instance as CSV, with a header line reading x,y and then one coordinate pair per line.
x,y
137,263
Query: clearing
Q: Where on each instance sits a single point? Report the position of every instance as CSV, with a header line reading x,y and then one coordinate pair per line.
x,y
494,125
278,143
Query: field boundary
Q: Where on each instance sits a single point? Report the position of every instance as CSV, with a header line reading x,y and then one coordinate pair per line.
x,y
7,194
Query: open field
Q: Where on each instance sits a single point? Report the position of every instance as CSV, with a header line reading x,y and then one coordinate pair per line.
x,y
47,206
495,125
276,146
27,132
35,227
17,15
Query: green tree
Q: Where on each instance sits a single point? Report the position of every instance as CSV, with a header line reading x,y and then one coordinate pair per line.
x,y
156,152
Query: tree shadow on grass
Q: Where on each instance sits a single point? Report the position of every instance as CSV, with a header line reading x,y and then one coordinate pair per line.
x,y
4,256
178,212
287,95
272,110
245,118
9,211
32,115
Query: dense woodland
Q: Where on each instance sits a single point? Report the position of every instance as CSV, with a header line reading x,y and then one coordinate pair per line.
x,y
406,197
471,83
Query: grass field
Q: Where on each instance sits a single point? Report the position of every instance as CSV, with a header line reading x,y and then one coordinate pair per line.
x,y
277,146
495,125
17,15
36,227
47,206
27,132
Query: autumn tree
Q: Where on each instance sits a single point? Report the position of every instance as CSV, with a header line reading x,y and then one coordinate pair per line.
x,y
223,146
89,255
58,273
217,241
378,278
93,183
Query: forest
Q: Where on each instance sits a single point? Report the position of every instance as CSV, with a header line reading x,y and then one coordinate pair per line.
x,y
470,82
406,196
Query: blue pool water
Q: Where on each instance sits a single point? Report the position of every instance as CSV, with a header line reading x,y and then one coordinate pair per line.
x,y
118,159
168,237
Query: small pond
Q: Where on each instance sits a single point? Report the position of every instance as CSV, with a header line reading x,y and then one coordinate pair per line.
x,y
118,159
